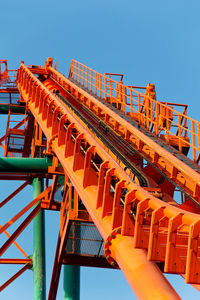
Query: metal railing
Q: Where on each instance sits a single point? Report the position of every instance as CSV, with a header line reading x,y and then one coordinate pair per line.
x,y
12,77
161,118
10,81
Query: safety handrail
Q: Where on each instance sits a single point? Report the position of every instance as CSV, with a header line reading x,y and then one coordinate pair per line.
x,y
12,76
158,117
127,222
24,79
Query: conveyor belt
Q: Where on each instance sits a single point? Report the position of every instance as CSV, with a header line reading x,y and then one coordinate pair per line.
x,y
103,133
107,132
152,149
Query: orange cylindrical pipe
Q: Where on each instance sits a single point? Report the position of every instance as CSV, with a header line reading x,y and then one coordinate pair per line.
x,y
145,278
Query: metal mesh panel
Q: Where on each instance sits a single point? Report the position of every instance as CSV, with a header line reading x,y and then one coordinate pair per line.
x,y
85,239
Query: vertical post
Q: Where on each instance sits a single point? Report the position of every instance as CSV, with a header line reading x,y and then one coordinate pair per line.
x,y
71,283
71,279
39,247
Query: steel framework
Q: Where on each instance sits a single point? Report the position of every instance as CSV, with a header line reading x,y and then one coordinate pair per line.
x,y
117,158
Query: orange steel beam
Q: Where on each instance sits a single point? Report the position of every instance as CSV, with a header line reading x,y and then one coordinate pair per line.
x,y
133,103
15,261
11,238
15,127
4,74
95,126
9,90
4,148
50,205
21,176
69,212
15,243
48,131
65,134
85,261
44,197
2,203
3,138
176,170
21,227
22,212
61,246
138,266
21,271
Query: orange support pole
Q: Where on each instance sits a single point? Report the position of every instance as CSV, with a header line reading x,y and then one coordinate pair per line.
x,y
145,278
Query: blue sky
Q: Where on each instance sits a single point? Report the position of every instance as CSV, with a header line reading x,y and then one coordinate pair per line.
x,y
148,41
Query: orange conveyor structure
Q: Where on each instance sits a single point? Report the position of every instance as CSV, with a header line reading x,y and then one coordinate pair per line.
x,y
123,155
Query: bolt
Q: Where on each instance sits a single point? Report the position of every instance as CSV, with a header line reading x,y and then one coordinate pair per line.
x,y
107,251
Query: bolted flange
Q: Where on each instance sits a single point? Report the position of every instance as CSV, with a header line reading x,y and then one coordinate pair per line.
x,y
107,245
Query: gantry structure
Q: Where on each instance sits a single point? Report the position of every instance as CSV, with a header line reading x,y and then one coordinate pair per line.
x,y
125,166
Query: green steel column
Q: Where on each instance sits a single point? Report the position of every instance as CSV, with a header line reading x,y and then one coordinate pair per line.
x,y
24,165
39,247
71,283
4,109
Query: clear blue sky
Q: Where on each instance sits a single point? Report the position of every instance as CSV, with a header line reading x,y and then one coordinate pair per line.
x,y
149,41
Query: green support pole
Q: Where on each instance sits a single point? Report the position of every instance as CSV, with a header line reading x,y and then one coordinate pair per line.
x,y
24,165
4,109
71,283
31,165
39,247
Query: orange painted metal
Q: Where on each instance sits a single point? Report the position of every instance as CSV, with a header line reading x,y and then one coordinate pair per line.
x,y
4,73
61,245
134,265
145,222
3,138
2,203
132,221
21,271
45,202
162,117
7,77
18,133
18,231
15,261
16,244
68,212
21,213
28,219
184,176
